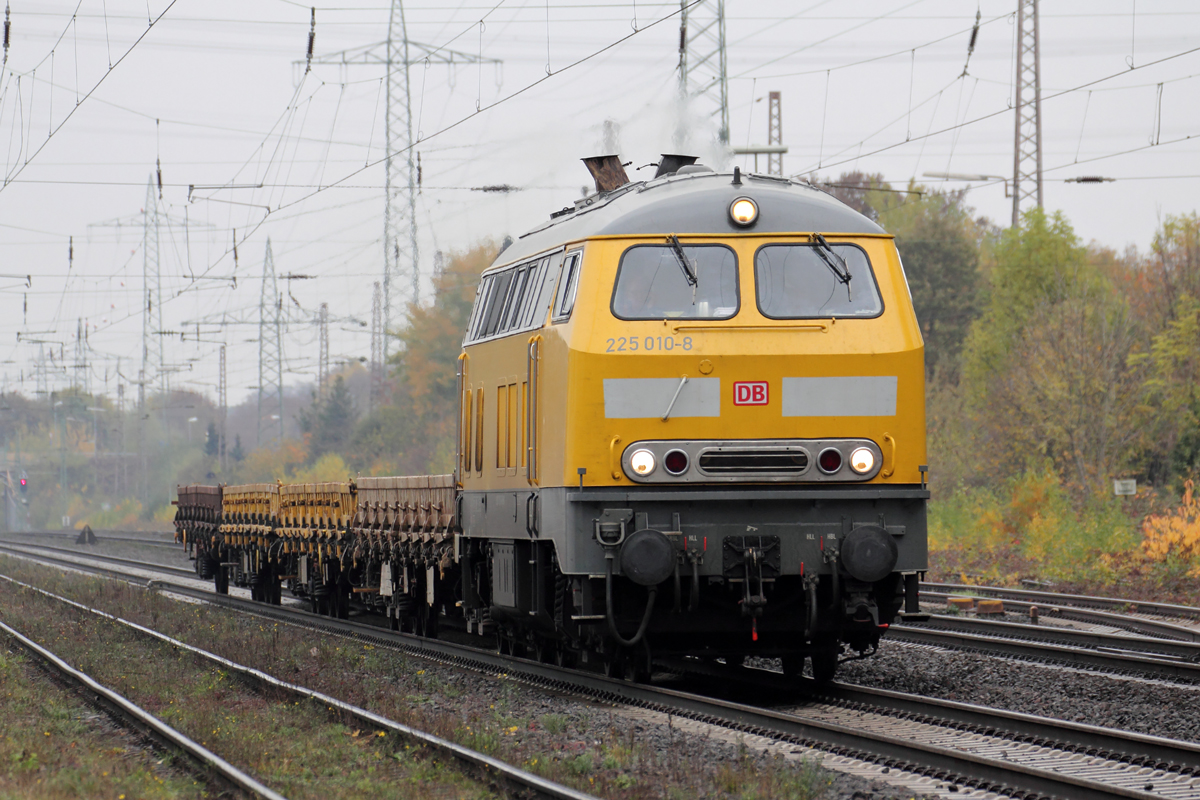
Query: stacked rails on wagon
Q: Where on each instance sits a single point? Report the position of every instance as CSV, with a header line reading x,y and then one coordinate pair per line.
x,y
404,528
248,531
314,537
198,514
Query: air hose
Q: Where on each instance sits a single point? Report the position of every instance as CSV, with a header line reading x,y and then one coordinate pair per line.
x,y
608,601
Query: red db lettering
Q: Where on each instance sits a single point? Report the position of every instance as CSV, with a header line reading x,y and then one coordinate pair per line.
x,y
751,393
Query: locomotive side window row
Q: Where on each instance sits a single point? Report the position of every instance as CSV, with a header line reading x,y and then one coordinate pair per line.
x,y
513,300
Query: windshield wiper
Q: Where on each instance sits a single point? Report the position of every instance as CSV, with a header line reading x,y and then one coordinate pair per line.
x,y
688,272
840,270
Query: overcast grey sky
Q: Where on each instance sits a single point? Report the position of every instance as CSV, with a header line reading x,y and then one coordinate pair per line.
x,y
213,91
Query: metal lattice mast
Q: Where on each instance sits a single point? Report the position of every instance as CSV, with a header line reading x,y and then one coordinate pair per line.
x,y
376,389
774,132
152,345
81,362
401,257
1027,138
270,355
400,183
222,409
703,86
323,350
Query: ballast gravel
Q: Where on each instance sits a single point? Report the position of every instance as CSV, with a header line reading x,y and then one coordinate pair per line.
x,y
1158,708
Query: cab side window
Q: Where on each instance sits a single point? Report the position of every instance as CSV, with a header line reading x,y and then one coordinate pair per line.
x,y
568,286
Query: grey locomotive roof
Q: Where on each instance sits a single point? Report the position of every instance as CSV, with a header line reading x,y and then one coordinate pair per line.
x,y
694,203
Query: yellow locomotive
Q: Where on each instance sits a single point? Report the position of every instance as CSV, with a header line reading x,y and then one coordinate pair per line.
x,y
692,423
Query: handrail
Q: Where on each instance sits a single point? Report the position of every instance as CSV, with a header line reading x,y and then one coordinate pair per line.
x,y
888,468
459,450
531,409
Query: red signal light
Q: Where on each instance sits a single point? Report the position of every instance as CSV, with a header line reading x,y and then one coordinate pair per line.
x,y
22,481
830,460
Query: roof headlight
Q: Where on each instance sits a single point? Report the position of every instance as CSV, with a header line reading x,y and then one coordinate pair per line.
x,y
743,211
862,460
642,463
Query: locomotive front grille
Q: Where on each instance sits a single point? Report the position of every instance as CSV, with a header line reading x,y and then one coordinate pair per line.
x,y
753,461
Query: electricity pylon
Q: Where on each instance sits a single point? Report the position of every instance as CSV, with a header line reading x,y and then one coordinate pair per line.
x,y
401,255
270,354
703,84
323,350
1027,137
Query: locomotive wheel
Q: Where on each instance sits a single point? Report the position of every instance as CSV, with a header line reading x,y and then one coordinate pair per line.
x,y
637,668
503,644
393,621
824,665
544,651
793,665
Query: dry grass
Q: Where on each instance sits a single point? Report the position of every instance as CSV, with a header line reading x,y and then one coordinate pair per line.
x,y
53,746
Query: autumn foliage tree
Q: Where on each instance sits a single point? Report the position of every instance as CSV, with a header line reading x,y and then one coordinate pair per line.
x,y
415,433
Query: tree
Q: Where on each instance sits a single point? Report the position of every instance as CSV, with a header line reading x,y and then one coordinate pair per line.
x,y
426,367
1038,261
939,242
1053,365
328,423
237,454
212,441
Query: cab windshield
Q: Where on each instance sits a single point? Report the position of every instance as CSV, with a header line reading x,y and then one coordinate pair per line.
x,y
794,281
680,282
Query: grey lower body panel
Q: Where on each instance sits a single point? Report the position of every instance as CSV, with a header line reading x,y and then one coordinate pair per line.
x,y
805,521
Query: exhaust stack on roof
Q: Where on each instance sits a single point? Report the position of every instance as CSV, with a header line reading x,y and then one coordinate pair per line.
x,y
671,162
607,172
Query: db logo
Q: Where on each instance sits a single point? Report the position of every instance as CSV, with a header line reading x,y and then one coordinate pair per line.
x,y
750,393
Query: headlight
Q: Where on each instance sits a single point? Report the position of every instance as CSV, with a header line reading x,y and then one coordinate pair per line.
x,y
862,460
642,462
743,211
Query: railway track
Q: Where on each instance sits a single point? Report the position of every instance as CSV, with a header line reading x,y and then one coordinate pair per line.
x,y
179,572
131,716
1044,599
963,745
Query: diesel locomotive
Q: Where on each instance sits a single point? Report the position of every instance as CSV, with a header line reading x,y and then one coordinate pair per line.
x,y
691,424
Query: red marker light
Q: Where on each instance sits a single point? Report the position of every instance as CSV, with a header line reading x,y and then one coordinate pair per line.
x,y
22,481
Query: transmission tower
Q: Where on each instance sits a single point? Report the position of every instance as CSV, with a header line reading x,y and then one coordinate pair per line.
x,y
81,360
1027,138
323,351
222,409
270,355
401,258
152,346
375,397
774,132
703,87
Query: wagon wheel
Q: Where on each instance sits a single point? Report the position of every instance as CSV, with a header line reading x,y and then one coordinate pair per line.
x,y
564,657
614,664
